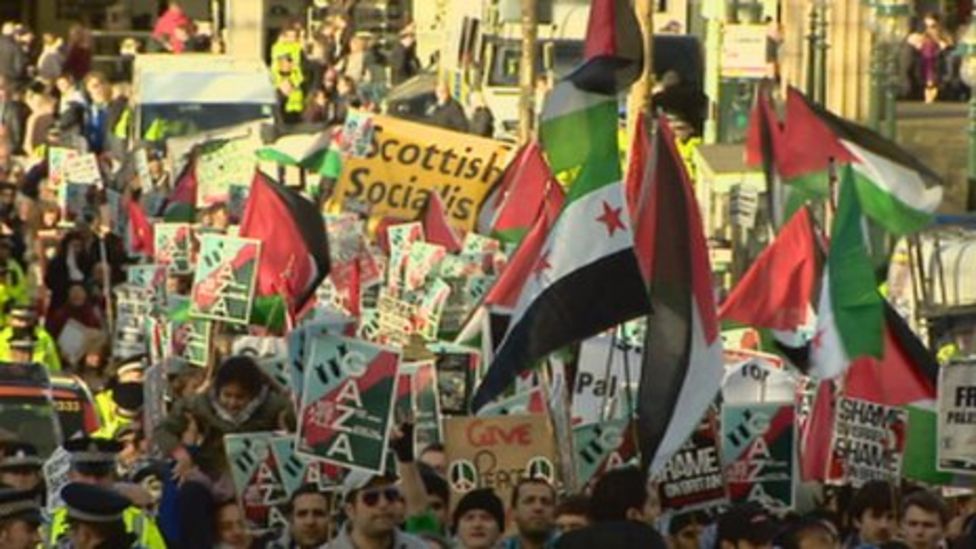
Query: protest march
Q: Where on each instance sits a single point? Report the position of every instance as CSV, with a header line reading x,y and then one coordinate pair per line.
x,y
285,312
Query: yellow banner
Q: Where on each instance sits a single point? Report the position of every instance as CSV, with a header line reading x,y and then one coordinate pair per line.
x,y
408,161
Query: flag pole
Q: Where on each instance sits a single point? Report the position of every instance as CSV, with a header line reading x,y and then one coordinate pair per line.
x,y
639,98
606,376
530,34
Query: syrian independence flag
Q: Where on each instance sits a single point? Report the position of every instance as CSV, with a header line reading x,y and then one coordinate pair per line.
x,y
680,378
850,317
613,54
896,190
778,289
585,278
295,257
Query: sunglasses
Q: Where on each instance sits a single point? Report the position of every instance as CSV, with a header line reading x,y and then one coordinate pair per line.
x,y
372,497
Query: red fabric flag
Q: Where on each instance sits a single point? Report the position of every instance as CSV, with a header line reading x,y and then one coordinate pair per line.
x,y
437,229
777,290
141,236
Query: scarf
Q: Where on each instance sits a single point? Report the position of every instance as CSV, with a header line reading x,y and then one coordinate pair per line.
x,y
246,412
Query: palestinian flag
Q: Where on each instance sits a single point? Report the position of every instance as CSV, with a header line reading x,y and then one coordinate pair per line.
x,y
613,54
764,137
310,151
295,258
567,297
850,316
437,229
680,378
907,376
492,203
778,289
896,190
533,188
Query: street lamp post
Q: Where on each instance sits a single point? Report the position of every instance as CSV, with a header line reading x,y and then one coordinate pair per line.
x,y
968,73
875,93
822,47
891,24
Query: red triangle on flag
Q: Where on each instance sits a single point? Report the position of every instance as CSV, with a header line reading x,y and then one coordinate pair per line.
x,y
141,237
437,229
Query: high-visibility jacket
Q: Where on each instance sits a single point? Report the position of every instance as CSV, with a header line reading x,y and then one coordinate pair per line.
x,y
136,522
295,101
45,349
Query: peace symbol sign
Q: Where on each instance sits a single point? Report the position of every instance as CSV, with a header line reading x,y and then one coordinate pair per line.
x,y
463,476
540,467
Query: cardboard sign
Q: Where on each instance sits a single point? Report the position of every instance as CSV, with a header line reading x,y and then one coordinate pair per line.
x,y
758,453
221,166
82,169
597,395
297,469
132,307
154,401
190,341
957,418
599,447
692,478
347,402
151,277
173,246
756,377
401,238
868,442
57,158
457,370
77,200
496,452
257,480
427,407
430,309
395,320
223,286
356,136
407,161
56,470
422,258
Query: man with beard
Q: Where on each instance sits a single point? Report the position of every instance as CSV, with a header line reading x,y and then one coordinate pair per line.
x,y
533,509
308,520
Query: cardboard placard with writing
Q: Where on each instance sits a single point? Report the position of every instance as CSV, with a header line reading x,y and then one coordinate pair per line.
x,y
600,447
173,246
957,418
408,160
758,453
756,377
427,406
56,470
221,166
400,238
223,285
692,478
495,452
868,442
457,372
347,402
596,394
257,480
190,340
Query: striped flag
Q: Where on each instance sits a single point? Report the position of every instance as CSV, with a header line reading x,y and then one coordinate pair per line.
x,y
566,297
682,370
850,316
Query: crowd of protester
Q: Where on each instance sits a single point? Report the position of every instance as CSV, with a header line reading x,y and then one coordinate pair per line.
x,y
119,494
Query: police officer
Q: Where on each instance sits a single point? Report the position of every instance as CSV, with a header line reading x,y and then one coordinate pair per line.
x,y
96,517
130,370
20,517
23,325
93,462
127,406
21,466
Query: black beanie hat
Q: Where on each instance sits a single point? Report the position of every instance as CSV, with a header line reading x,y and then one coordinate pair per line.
x,y
483,499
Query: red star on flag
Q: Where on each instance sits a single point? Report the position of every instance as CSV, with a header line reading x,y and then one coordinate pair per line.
x,y
542,264
611,218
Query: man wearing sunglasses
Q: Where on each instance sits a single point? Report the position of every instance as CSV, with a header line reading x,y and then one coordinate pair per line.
x,y
371,522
